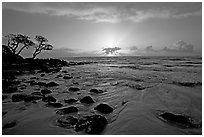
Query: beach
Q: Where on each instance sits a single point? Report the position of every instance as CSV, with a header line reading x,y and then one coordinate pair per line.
x,y
127,95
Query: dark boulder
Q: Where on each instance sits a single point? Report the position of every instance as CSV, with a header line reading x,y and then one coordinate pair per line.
x,y
96,91
67,122
49,99
10,124
180,120
42,75
74,89
67,77
70,101
67,110
94,124
60,75
54,104
18,97
37,93
104,108
26,98
87,100
46,91
30,98
52,84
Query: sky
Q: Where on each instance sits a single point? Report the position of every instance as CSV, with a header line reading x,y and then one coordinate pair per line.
x,y
108,28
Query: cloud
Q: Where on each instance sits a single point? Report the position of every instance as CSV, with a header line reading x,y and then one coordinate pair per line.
x,y
180,46
111,51
183,46
100,12
133,48
143,15
149,48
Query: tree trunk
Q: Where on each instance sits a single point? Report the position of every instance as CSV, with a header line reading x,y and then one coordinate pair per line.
x,y
21,50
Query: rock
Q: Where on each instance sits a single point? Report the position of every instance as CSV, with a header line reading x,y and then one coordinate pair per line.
x,y
53,104
60,75
180,120
10,124
52,84
67,110
96,91
75,83
46,91
32,82
23,86
67,122
92,124
42,75
30,98
33,78
104,108
64,71
18,97
26,98
67,77
73,89
49,99
41,84
87,100
188,84
70,101
37,93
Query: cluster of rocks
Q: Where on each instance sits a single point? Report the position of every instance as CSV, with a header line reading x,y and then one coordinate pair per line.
x,y
92,124
40,83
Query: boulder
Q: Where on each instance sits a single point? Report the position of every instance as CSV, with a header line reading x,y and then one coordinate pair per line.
x,y
37,93
74,89
67,77
46,91
67,122
180,120
54,104
42,75
87,100
70,101
104,108
52,84
96,91
49,99
94,124
30,98
18,97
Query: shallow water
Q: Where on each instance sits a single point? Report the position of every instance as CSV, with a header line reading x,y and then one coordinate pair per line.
x,y
137,88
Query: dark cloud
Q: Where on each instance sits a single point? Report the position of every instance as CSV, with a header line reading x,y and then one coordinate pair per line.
x,y
110,12
108,51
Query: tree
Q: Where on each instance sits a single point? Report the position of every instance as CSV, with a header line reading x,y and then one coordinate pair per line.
x,y
41,45
18,42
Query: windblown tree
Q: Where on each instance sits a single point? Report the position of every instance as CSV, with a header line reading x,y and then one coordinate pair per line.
x,y
18,42
41,45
